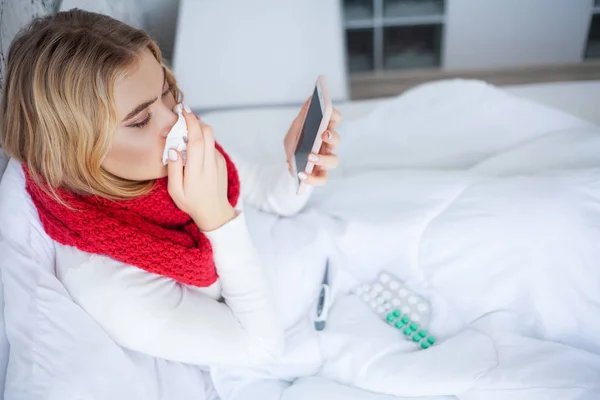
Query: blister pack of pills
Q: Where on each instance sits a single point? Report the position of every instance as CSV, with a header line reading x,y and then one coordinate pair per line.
x,y
399,306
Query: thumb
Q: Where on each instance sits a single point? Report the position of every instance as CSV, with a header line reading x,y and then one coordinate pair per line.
x,y
175,175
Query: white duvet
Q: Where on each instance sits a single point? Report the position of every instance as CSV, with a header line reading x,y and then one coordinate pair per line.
x,y
486,204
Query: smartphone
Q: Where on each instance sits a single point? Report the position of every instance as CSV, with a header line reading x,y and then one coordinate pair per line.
x,y
309,138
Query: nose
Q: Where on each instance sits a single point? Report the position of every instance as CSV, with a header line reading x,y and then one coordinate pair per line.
x,y
168,118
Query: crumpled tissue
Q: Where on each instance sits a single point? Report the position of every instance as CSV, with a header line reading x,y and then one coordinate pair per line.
x,y
177,137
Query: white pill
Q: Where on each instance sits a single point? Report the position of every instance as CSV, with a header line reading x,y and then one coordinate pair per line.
x,y
366,297
386,295
365,287
374,293
387,306
402,292
415,317
396,302
358,291
405,309
412,300
422,307
373,304
377,287
380,299
394,285
384,278
380,309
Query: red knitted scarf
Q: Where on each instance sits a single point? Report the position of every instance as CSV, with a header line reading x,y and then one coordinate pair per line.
x,y
149,232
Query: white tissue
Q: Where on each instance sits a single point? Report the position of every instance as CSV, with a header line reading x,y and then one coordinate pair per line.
x,y
177,137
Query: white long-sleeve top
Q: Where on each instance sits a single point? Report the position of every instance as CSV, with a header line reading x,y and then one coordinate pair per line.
x,y
231,322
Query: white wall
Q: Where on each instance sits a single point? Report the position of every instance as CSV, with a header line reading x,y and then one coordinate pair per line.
x,y
232,53
512,33
157,17
160,21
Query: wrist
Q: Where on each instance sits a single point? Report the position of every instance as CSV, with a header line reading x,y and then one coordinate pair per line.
x,y
221,216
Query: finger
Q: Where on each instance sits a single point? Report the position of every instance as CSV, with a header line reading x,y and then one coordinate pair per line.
x,y
305,106
175,175
336,118
297,123
195,144
326,161
318,178
193,125
209,144
331,138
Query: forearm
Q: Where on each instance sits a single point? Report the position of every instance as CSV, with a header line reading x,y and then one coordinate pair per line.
x,y
156,315
270,187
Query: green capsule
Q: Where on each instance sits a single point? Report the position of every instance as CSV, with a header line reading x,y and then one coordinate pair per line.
x,y
425,344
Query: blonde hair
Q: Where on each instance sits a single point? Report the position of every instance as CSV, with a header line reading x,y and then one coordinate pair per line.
x,y
57,113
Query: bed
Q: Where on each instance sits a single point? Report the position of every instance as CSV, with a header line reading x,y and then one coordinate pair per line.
x,y
417,183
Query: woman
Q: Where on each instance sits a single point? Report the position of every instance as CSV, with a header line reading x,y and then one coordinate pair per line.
x,y
158,255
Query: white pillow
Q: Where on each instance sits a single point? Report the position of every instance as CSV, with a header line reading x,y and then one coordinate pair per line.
x,y
4,346
3,162
57,350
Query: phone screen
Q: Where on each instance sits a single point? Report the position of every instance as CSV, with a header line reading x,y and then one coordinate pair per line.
x,y
314,115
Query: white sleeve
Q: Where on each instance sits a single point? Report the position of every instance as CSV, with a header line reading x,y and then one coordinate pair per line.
x,y
269,187
158,316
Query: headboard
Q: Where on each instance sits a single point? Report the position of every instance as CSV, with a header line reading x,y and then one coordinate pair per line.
x,y
15,14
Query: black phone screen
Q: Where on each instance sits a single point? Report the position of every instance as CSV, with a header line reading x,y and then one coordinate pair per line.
x,y
308,134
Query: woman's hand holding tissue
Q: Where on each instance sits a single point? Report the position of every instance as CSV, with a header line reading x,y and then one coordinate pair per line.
x,y
326,159
200,189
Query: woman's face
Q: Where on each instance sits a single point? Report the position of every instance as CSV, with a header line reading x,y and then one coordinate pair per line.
x,y
144,106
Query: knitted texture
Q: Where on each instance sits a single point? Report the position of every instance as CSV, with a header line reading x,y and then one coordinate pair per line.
x,y
148,232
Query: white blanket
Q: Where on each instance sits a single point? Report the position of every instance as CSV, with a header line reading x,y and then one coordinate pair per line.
x,y
486,204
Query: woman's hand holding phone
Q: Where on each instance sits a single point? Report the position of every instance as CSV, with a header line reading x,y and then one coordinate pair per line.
x,y
200,189
326,158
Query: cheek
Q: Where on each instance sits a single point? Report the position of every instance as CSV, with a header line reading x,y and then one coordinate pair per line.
x,y
135,156
134,149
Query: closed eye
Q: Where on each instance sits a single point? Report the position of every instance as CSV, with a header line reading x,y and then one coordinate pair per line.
x,y
145,122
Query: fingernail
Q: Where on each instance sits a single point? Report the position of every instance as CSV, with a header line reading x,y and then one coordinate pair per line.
x,y
327,135
313,157
173,155
187,108
302,176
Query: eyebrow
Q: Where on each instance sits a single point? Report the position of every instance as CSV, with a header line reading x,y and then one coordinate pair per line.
x,y
145,104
